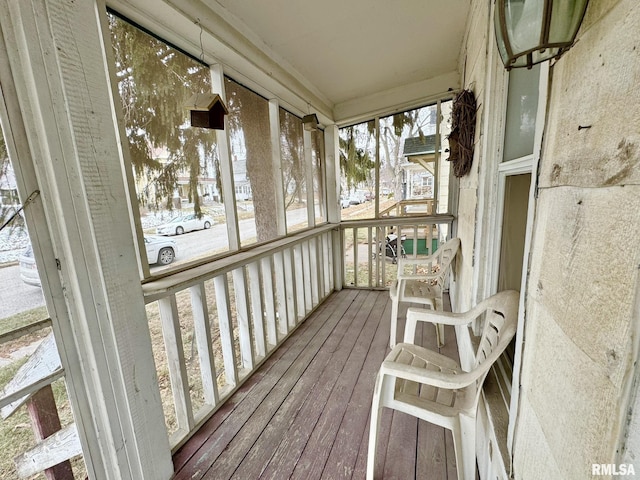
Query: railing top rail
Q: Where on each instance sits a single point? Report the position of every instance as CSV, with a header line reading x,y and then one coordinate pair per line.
x,y
174,282
403,203
394,221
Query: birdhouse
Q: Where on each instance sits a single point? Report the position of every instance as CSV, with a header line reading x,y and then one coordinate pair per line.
x,y
207,110
310,122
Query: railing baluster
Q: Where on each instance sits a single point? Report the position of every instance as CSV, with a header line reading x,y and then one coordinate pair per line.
x,y
202,328
175,361
245,330
269,303
382,254
257,310
370,255
282,293
226,334
299,283
355,257
430,236
308,277
315,271
290,289
327,263
331,259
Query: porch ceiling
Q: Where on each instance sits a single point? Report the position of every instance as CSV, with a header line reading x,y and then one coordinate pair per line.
x,y
342,59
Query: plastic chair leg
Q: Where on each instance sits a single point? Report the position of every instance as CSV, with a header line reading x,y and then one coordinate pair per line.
x,y
376,415
440,334
464,440
394,322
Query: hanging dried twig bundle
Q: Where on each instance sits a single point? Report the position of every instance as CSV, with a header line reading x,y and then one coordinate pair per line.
x,y
461,138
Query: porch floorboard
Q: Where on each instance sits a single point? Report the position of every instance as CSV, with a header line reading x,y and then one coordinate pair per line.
x,y
304,414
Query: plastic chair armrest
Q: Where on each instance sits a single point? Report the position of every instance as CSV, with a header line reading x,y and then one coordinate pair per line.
x,y
416,261
448,381
421,276
415,315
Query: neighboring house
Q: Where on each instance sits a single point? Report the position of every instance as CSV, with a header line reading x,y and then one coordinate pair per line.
x,y
8,188
207,188
549,207
422,166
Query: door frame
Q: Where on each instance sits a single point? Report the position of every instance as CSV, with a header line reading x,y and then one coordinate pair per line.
x,y
491,191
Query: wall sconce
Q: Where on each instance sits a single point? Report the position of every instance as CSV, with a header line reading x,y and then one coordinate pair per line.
x,y
207,110
310,122
532,31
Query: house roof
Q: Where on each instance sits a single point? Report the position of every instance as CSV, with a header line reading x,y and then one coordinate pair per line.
x,y
423,145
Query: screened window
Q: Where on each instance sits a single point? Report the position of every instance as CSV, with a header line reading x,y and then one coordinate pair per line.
x,y
252,163
357,166
294,181
175,166
411,174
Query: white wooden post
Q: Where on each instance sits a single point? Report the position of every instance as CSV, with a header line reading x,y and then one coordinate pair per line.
x,y
332,161
308,169
274,124
54,68
226,171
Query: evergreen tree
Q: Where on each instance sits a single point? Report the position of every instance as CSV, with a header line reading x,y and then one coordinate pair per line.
x,y
355,162
154,81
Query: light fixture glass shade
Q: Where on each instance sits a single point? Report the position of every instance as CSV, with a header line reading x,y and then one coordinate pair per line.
x,y
532,31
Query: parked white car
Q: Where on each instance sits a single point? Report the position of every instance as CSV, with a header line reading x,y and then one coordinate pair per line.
x,y
28,268
159,250
185,223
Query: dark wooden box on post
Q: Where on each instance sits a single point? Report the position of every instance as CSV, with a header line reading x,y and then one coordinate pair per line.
x,y
207,110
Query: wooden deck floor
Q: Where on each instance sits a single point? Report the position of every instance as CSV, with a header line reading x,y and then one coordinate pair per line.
x,y
305,413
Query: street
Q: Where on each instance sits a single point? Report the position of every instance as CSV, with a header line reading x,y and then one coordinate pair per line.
x,y
15,295
202,243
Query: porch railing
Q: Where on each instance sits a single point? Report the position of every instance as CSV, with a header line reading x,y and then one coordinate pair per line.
x,y
220,321
410,207
214,324
370,251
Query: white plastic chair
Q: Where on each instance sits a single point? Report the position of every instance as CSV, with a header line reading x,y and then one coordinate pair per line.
x,y
424,287
433,387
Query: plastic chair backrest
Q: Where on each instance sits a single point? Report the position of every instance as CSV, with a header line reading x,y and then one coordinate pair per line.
x,y
445,255
500,323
